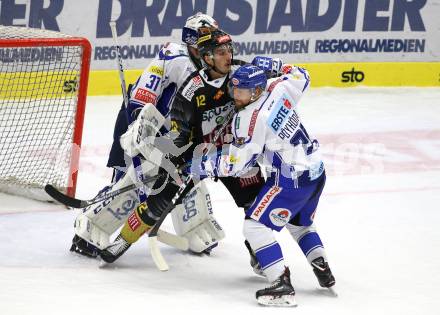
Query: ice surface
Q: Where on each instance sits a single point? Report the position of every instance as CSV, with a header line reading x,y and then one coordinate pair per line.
x,y
378,218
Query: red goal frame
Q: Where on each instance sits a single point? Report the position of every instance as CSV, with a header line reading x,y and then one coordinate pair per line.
x,y
82,90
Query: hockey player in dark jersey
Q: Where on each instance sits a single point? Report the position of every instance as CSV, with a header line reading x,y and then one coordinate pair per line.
x,y
155,88
200,108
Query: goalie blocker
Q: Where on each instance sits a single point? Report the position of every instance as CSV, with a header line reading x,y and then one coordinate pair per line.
x,y
193,219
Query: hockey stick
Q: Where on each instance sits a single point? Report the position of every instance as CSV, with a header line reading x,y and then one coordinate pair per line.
x,y
136,160
79,203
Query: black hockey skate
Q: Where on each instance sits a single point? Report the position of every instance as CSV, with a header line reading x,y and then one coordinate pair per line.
x,y
115,250
280,293
323,273
254,262
84,248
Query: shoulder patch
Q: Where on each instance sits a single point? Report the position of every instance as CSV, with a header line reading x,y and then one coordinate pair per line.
x,y
192,86
145,96
156,70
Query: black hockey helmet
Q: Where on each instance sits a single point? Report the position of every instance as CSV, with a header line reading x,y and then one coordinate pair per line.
x,y
210,38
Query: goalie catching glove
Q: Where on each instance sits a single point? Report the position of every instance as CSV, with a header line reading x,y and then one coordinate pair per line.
x,y
141,134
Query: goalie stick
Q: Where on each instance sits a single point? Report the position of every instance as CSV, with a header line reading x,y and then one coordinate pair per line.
x,y
79,203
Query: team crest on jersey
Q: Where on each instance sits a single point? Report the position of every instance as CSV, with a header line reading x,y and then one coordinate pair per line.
x,y
193,85
280,216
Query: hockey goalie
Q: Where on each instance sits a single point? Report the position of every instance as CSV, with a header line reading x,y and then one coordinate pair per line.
x,y
150,100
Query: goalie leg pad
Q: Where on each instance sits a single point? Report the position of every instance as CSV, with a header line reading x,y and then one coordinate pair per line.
x,y
90,232
194,220
205,236
98,222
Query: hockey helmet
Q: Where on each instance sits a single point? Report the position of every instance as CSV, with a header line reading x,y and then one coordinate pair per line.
x,y
249,77
210,38
193,23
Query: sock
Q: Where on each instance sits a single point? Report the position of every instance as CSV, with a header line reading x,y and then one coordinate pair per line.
x,y
308,240
266,248
134,227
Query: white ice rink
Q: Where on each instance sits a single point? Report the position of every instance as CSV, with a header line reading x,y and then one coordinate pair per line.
x,y
379,218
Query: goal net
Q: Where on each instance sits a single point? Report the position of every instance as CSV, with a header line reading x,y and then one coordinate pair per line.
x,y
43,88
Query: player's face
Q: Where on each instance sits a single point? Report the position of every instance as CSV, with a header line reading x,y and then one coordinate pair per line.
x,y
242,97
223,58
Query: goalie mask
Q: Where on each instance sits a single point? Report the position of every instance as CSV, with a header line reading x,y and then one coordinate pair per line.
x,y
193,23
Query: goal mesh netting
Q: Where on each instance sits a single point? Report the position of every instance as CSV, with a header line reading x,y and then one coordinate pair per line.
x,y
43,85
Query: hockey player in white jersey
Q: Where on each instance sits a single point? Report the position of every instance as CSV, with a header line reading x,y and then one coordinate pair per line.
x,y
267,128
153,92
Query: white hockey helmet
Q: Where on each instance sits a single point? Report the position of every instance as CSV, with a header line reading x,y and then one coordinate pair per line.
x,y
193,23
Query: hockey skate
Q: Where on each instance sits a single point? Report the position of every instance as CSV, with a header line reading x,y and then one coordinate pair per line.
x,y
254,262
324,274
115,250
82,247
280,293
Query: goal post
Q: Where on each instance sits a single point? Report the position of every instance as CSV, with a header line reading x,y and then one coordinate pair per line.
x,y
43,90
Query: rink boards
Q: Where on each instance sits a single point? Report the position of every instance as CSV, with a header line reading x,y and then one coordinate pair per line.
x,y
421,74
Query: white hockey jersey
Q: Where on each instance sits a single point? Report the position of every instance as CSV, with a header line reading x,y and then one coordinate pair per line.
x,y
157,85
162,78
270,131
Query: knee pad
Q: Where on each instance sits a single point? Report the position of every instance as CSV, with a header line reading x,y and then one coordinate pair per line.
x,y
258,235
298,232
